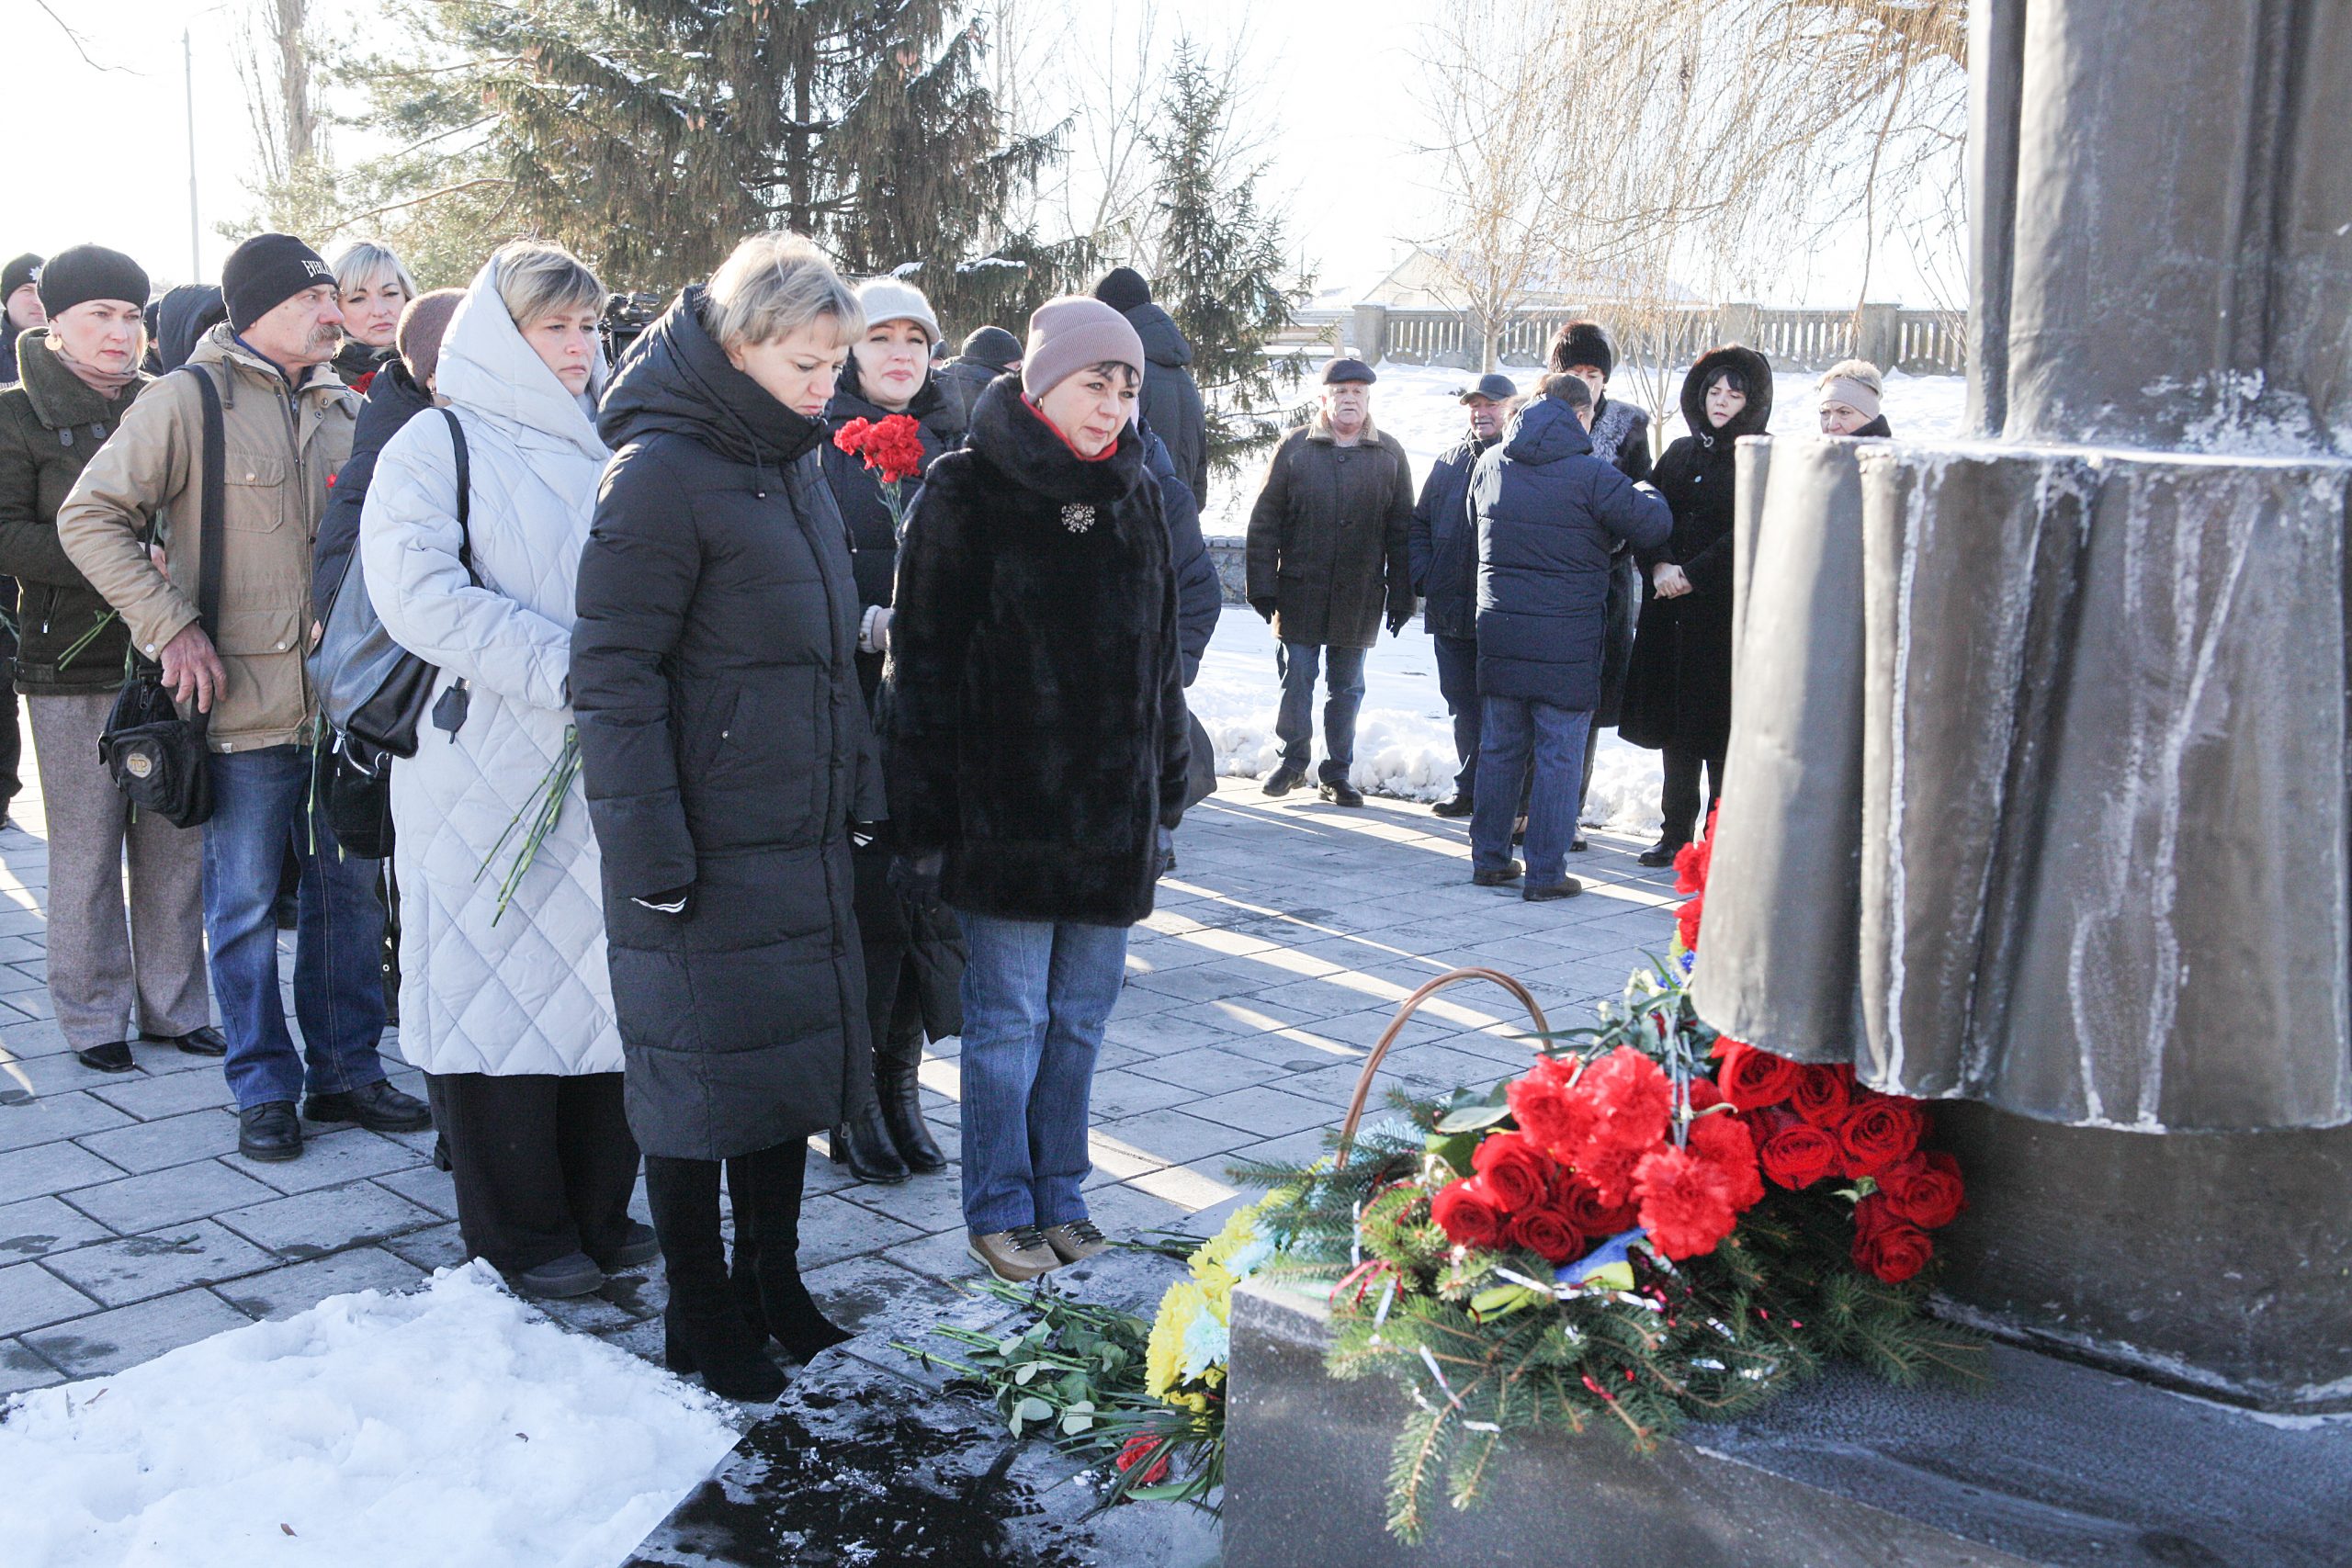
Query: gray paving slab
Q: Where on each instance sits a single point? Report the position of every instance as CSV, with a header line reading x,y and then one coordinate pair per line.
x,y
168,1197
298,1287
152,1098
136,1266
423,1185
312,1223
331,1158
37,1227
32,1297
437,1247
50,1167
109,1341
1263,1111
141,1146
23,1368
833,1228
51,1118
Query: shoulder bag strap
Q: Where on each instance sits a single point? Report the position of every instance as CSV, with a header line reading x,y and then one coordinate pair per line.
x,y
211,517
465,494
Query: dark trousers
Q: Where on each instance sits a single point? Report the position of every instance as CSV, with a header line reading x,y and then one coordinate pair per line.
x,y
12,740
1457,682
544,1165
763,1190
1294,721
1679,800
1583,784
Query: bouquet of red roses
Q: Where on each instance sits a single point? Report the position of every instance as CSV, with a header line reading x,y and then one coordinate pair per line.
x,y
892,448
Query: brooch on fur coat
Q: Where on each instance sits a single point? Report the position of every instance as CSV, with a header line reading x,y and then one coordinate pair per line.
x,y
1078,518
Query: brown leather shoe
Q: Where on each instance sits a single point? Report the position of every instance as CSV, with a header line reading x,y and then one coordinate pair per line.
x,y
1078,1239
1016,1255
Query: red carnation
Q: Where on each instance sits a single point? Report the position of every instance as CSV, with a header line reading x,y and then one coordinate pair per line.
x,y
1583,1209
1691,864
1878,1133
1465,1212
850,438
1800,1155
1752,1079
1138,1448
1516,1174
1704,1093
1548,1109
1685,1202
1886,1247
1631,1100
1925,1190
1823,1094
1685,921
1547,1233
1723,1142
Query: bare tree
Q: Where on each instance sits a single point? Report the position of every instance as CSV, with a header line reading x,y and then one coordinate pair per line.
x,y
275,68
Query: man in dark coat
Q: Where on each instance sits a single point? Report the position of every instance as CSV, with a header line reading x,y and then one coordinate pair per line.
x,y
1550,517
1171,398
1327,557
1678,686
1443,549
987,355
401,390
182,318
20,310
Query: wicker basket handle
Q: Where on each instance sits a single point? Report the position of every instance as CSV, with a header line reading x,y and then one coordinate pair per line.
x,y
1405,1011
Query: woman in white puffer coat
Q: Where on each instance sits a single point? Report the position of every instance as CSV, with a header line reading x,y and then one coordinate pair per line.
x,y
509,1014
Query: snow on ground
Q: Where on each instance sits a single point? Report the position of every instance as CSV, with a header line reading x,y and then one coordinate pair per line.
x,y
455,1426
1404,739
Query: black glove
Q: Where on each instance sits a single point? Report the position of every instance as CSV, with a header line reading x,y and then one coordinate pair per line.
x,y
1266,607
915,877
678,903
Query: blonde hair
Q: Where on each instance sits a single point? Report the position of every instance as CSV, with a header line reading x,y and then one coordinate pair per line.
x,y
772,286
537,280
1860,371
363,263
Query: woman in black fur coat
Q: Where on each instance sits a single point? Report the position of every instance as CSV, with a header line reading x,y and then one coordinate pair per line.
x,y
1037,742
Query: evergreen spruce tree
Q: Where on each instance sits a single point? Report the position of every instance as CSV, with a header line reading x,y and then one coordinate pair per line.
x,y
1221,271
650,135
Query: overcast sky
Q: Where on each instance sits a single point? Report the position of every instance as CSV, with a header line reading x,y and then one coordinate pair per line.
x,y
1338,104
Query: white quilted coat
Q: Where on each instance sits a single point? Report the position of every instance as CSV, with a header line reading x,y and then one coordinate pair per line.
x,y
530,994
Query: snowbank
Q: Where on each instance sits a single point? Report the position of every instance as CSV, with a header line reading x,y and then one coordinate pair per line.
x,y
1404,739
455,1426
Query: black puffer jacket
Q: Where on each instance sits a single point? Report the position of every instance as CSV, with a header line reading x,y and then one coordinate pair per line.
x,y
1621,432
1443,545
394,398
1037,730
1171,398
51,424
1677,687
857,490
725,747
1200,594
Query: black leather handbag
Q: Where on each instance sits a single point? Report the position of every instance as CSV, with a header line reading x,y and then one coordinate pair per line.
x,y
155,756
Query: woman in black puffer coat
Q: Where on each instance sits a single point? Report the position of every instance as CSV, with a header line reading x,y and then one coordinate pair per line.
x,y
727,753
914,955
1037,744
1677,687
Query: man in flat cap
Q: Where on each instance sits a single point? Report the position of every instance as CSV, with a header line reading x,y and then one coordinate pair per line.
x,y
1328,564
1443,549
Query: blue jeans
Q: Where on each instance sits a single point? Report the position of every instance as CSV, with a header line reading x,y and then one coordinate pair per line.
x,y
1296,721
1511,728
259,798
1457,682
1036,997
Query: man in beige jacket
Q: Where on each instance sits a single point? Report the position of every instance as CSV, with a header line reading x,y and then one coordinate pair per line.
x,y
287,425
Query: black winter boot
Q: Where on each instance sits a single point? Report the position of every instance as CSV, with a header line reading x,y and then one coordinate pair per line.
x,y
895,1065
863,1143
703,1329
765,1191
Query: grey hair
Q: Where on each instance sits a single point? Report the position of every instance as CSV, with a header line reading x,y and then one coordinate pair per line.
x,y
1573,391
772,286
537,280
1860,371
363,263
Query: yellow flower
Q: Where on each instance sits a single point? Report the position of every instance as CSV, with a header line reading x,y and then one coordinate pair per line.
x,y
1164,1351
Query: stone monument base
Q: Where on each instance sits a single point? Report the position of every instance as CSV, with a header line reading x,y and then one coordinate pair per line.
x,y
2055,1463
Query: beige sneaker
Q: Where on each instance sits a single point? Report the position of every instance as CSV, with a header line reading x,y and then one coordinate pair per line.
x,y
1016,1255
1075,1240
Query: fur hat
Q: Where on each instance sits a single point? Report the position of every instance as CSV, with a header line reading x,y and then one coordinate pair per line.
x,y
1123,288
892,299
1583,343
1070,334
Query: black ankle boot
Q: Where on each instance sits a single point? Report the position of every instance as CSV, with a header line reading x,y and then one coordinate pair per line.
x,y
703,1328
765,1191
863,1143
901,1092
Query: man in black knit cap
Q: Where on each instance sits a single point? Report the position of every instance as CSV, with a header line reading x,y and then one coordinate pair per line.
x,y
1171,398
287,425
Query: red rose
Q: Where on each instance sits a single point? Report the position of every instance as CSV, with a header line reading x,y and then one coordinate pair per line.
x,y
1465,1212
1583,1209
1823,1094
1800,1155
1516,1173
1885,1246
1691,864
1547,1233
1925,1190
1685,1202
1553,1114
1880,1132
1136,1451
1685,921
1723,1142
1704,1094
1752,1079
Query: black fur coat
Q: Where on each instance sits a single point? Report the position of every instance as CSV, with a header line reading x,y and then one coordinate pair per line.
x,y
1036,727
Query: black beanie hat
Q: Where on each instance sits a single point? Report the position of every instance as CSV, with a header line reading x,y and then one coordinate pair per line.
x,y
19,272
1123,288
1583,343
266,271
993,346
90,272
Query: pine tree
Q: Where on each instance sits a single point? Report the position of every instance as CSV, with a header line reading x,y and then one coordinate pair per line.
x,y
650,135
1221,271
